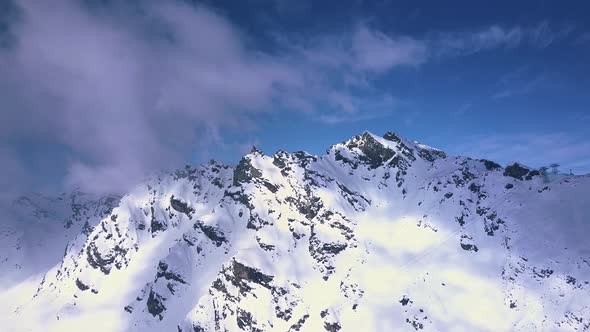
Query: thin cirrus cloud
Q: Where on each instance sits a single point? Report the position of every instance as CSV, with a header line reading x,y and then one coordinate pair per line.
x,y
377,52
130,93
522,88
540,35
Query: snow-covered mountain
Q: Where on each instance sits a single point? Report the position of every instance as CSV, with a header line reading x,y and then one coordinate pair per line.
x,y
378,234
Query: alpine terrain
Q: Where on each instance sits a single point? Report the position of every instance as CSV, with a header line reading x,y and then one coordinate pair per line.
x,y
378,234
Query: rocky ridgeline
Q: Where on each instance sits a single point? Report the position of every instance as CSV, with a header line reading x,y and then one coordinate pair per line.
x,y
236,248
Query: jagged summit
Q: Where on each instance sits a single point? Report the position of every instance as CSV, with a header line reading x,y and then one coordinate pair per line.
x,y
380,233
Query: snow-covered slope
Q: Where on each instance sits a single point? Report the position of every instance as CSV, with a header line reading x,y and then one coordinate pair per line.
x,y
379,234
35,230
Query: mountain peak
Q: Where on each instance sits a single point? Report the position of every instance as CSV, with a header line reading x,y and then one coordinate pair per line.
x,y
375,151
255,151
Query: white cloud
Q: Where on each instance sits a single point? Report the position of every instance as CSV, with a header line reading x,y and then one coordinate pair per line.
x,y
378,52
126,94
373,108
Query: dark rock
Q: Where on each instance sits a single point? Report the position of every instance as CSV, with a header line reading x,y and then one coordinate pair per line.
x,y
156,225
255,151
308,206
164,272
197,328
516,171
279,162
415,323
86,229
374,153
283,314
155,305
332,327
401,146
181,206
469,247
245,321
245,172
520,172
239,197
405,300
304,158
297,326
490,165
571,280
430,154
211,232
339,157
264,246
474,188
461,219
81,285
98,261
271,187
531,174
242,272
356,200
333,248
543,273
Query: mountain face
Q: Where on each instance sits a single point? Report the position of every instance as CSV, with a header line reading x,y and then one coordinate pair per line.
x,y
378,234
36,228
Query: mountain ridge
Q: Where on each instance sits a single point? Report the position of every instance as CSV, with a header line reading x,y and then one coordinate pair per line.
x,y
347,240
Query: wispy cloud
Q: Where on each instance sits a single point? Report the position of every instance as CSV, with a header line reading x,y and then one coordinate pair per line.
x,y
373,108
541,35
521,81
455,44
123,99
378,52
520,88
368,50
463,109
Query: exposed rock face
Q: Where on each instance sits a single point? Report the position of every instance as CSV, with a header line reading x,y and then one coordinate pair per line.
x,y
372,153
181,206
520,172
379,234
490,165
245,172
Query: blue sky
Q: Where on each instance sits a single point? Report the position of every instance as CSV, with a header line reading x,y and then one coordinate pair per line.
x,y
95,93
531,92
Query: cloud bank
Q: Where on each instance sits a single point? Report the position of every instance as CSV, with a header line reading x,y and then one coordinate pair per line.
x,y
129,93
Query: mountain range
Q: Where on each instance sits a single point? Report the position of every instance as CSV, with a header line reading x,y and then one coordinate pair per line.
x,y
380,233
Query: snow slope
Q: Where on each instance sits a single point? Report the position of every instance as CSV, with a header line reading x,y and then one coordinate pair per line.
x,y
378,234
